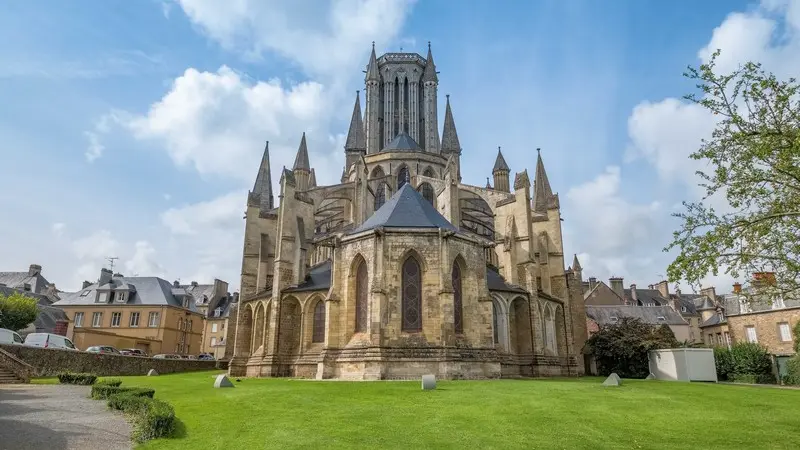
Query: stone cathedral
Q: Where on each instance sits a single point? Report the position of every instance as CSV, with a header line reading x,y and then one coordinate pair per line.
x,y
401,269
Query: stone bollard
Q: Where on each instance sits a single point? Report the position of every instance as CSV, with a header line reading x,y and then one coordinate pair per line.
x,y
613,380
222,381
428,382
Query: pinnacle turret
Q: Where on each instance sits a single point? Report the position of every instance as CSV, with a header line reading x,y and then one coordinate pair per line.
x,y
543,198
261,195
576,265
301,160
450,143
312,181
356,141
372,67
500,162
430,68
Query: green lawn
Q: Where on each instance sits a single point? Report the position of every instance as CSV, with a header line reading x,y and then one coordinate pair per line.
x,y
550,413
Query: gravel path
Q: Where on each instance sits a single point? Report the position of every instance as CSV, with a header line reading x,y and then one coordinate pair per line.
x,y
58,417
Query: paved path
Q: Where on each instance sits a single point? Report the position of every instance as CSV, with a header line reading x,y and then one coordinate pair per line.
x,y
59,418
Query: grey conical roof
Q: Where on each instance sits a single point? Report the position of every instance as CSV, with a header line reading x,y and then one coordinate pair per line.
x,y
450,142
543,198
312,180
576,265
356,140
500,162
372,67
406,209
301,160
262,189
430,68
403,142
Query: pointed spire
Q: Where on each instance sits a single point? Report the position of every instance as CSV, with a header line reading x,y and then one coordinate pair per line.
x,y
500,162
372,67
488,186
450,142
543,197
312,181
576,265
344,174
430,68
356,140
301,160
262,189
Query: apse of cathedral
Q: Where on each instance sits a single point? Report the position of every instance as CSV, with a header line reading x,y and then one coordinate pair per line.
x,y
402,269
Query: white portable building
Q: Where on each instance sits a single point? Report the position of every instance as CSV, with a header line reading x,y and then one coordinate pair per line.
x,y
683,364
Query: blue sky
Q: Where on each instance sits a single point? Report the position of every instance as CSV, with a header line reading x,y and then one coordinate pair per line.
x,y
134,129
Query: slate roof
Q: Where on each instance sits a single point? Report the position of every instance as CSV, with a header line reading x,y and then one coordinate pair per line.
x,y
225,303
496,282
262,189
48,315
500,162
406,209
41,299
200,291
686,301
450,143
646,297
649,314
17,280
704,303
301,160
404,143
356,139
317,279
714,320
149,291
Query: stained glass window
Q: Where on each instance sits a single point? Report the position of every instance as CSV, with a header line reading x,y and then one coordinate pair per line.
x,y
412,296
402,177
380,195
457,308
361,298
427,192
319,322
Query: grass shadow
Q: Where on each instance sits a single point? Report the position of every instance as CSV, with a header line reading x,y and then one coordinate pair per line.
x,y
179,432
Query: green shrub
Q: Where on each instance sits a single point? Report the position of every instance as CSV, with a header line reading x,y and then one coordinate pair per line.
x,y
751,359
151,418
116,382
84,379
797,337
753,379
793,371
103,391
623,347
724,362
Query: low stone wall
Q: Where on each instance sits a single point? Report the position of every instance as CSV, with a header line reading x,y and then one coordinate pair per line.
x,y
51,361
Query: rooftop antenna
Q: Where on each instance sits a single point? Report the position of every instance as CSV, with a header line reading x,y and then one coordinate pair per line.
x,y
111,260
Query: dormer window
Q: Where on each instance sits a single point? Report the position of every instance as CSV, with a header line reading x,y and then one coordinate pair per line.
x,y
218,312
121,297
661,318
102,297
112,296
683,309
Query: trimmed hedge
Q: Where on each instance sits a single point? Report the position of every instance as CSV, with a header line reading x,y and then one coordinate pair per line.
x,y
104,391
753,379
793,371
83,379
745,362
151,418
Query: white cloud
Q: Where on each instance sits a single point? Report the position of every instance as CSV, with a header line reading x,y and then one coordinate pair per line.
x,y
324,38
92,251
95,149
221,213
58,229
144,261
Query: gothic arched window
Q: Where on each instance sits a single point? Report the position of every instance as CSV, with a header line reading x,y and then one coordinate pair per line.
x,y
412,295
427,192
319,322
429,173
495,324
380,195
402,177
550,330
361,297
458,319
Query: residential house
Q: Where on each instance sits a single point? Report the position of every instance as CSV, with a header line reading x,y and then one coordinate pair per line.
x,y
148,313
31,281
598,316
49,320
713,321
214,302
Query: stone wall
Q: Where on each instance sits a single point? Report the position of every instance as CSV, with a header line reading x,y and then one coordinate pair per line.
x,y
766,324
50,361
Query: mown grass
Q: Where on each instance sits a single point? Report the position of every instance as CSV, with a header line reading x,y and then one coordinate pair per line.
x,y
501,414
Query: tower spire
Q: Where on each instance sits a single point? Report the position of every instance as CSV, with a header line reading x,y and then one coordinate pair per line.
x,y
500,172
261,195
430,67
450,143
301,160
372,67
576,265
543,198
500,162
356,141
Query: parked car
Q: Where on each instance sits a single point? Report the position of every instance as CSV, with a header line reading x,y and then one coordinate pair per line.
x,y
103,349
48,340
205,357
188,357
166,356
10,337
133,352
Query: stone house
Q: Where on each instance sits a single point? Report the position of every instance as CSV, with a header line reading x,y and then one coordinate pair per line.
x,y
49,320
31,281
601,315
401,269
214,302
147,313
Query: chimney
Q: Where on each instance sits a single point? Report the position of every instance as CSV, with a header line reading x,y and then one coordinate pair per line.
x,y
737,288
592,283
176,284
105,276
663,288
634,297
709,293
617,286
86,284
194,283
34,269
235,297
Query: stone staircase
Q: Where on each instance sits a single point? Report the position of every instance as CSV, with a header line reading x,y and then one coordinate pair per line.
x,y
8,377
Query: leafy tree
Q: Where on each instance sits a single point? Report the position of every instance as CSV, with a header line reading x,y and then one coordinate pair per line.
x,y
622,347
17,311
753,162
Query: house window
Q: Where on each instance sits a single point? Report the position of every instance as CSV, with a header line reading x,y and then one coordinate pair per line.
x,y
102,297
786,332
116,318
153,319
134,322
121,297
458,321
411,296
218,312
751,334
97,319
683,309
190,325
318,334
213,341
78,319
85,293
361,298
727,339
213,328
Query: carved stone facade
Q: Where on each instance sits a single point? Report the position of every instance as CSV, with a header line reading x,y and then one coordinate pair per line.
x,y
401,269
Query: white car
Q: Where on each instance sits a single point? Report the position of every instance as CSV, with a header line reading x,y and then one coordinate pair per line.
x,y
10,337
48,340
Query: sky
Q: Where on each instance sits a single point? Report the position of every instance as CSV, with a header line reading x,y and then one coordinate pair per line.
x,y
134,129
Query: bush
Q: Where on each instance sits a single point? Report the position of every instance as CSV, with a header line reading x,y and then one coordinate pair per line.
x,y
753,379
793,371
724,362
151,418
623,347
103,391
115,382
83,379
751,359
